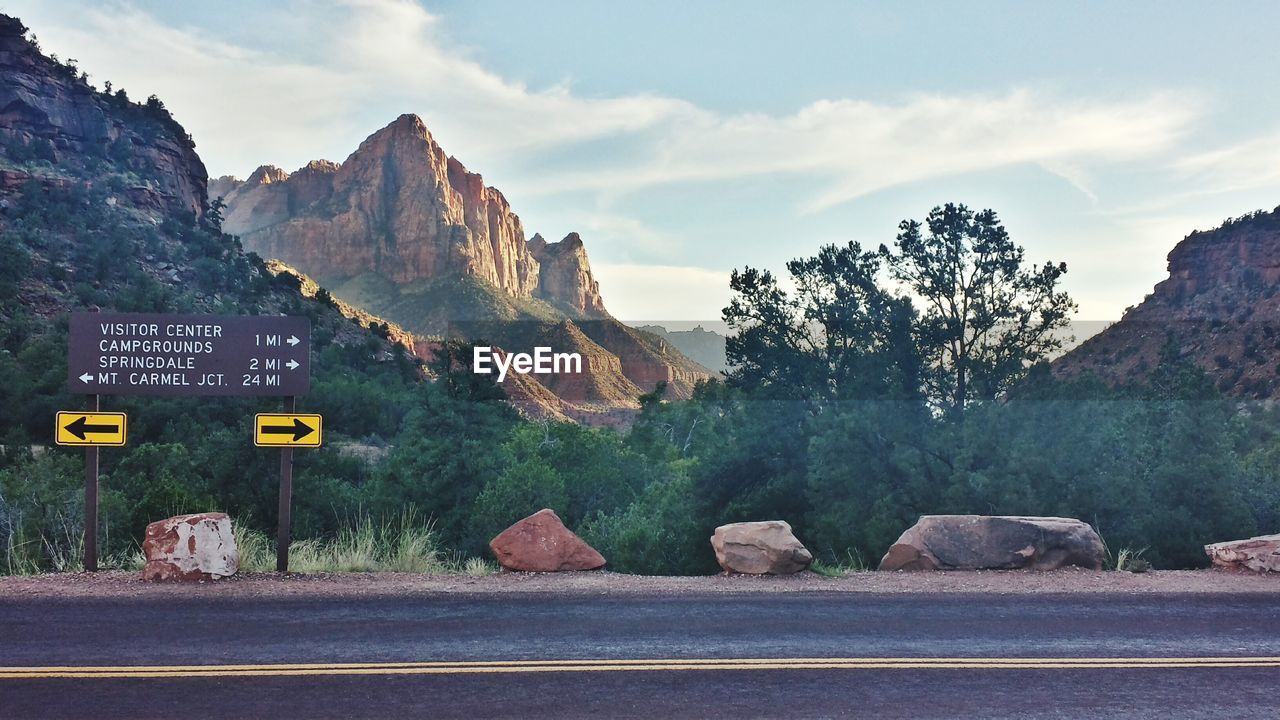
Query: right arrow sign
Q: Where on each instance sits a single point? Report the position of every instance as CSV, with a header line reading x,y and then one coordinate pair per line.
x,y
282,430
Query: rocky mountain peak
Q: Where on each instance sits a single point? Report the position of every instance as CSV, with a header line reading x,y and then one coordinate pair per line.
x,y
565,278
403,209
267,174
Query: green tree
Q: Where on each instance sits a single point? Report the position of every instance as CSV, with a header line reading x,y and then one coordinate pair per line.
x,y
986,317
840,334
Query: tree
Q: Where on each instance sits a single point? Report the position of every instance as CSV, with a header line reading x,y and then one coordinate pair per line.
x,y
985,318
840,335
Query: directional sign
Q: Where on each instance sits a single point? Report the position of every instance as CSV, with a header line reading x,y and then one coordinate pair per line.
x,y
84,428
281,430
149,354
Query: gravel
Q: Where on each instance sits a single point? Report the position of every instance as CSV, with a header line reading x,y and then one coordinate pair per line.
x,y
121,584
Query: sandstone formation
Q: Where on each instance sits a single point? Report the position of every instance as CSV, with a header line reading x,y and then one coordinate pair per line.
x,y
44,104
541,543
564,276
190,547
1259,554
986,542
407,233
759,548
401,208
1217,308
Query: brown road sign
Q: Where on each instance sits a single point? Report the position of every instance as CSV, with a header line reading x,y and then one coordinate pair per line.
x,y
155,354
91,428
285,430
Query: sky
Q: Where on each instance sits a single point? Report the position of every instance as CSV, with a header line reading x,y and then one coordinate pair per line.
x,y
682,140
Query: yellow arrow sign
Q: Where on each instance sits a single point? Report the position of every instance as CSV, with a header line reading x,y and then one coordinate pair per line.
x,y
83,428
281,430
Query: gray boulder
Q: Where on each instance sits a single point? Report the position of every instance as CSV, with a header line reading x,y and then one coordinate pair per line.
x,y
989,542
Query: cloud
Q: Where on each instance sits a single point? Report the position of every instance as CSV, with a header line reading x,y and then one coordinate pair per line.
x,y
656,293
246,106
1250,164
860,147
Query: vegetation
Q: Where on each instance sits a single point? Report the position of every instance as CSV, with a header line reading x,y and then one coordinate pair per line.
x,y
850,412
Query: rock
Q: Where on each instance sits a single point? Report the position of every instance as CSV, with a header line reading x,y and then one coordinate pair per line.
x,y
541,543
190,547
398,207
564,276
1218,291
1259,554
42,103
759,548
986,542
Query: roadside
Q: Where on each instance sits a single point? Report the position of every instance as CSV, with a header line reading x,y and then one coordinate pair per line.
x,y
117,584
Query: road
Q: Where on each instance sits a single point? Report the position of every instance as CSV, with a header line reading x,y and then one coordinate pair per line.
x,y
541,655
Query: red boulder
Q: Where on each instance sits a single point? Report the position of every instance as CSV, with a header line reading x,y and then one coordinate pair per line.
x,y
541,543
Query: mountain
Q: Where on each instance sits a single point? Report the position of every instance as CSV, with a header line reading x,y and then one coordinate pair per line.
x,y
1218,307
406,232
54,126
703,346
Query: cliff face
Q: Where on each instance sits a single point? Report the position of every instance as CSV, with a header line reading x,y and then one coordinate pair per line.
x,y
408,233
1219,307
398,206
564,276
50,113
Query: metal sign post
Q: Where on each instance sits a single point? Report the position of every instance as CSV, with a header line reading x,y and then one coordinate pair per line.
x,y
91,497
283,531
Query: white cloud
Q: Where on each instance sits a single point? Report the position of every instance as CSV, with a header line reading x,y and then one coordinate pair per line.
x,y
656,293
1251,164
861,147
248,105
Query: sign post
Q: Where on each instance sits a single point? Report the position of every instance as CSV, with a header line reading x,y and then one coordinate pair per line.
x,y
286,431
91,497
284,530
181,355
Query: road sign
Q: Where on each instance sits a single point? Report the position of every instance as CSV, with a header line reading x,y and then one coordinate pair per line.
x,y
155,354
285,430
91,428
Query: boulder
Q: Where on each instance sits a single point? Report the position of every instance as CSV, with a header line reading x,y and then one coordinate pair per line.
x,y
1259,554
190,547
986,542
541,543
759,548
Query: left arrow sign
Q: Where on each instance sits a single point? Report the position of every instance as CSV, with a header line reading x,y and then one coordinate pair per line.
x,y
86,378
80,428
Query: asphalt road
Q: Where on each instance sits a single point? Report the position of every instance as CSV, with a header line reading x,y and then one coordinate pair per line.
x,y
740,656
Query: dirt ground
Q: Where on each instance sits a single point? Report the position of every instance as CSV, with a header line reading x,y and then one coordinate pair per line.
x,y
112,584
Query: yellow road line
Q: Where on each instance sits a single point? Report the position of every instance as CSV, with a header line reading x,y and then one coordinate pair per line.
x,y
650,665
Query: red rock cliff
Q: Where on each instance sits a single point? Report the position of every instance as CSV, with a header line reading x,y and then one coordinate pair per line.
x,y
44,104
1218,306
398,206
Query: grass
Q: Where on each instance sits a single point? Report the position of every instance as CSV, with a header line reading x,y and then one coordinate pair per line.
x,y
851,562
402,543
1130,560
